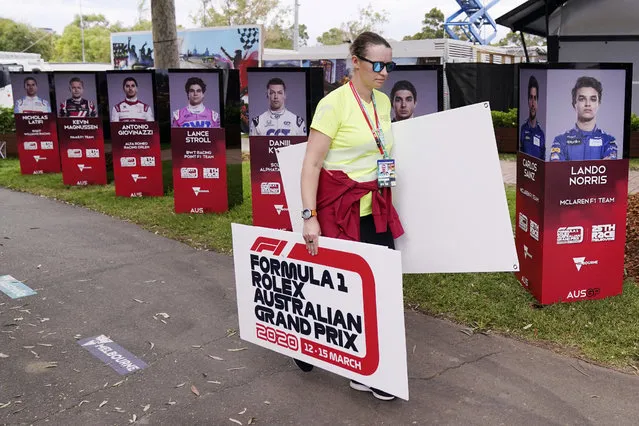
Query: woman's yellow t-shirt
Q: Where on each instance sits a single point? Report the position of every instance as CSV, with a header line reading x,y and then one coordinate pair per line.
x,y
353,149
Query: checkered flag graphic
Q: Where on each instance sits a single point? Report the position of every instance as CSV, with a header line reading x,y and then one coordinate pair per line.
x,y
248,36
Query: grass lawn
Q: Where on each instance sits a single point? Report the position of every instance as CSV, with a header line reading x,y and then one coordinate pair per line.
x,y
603,331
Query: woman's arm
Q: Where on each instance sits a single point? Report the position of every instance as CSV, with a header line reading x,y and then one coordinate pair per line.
x,y
316,150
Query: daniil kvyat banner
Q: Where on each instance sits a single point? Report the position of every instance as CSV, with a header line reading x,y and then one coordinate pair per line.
x,y
80,129
341,310
278,118
198,142
135,135
35,124
572,180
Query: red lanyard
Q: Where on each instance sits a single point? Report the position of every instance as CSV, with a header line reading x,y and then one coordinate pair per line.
x,y
376,133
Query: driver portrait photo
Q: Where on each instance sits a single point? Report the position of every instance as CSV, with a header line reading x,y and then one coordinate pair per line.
x,y
277,120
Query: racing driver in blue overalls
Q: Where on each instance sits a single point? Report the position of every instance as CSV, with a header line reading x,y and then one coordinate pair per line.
x,y
585,141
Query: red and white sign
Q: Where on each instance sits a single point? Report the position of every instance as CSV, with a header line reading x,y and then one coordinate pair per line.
x,y
82,147
267,192
576,251
137,161
199,170
341,310
37,143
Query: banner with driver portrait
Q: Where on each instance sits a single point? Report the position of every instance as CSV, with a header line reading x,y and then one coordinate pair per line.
x,y
282,102
135,136
341,310
198,143
572,179
35,123
80,129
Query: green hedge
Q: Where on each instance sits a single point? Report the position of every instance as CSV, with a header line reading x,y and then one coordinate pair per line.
x,y
509,119
7,121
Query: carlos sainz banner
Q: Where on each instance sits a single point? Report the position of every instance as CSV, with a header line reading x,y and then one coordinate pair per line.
x,y
341,310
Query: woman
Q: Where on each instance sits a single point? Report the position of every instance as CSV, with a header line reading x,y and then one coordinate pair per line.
x,y
345,185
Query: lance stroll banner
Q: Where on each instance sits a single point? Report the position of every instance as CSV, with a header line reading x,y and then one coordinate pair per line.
x,y
80,129
198,142
35,124
135,135
199,170
324,309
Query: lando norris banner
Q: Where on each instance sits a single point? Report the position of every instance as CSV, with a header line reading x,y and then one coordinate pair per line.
x,y
324,309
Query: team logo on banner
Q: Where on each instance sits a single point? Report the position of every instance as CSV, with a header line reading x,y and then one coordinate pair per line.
x,y
322,309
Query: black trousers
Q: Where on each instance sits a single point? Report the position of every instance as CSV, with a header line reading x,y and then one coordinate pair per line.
x,y
368,234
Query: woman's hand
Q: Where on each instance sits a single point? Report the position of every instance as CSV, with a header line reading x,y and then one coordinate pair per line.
x,y
311,233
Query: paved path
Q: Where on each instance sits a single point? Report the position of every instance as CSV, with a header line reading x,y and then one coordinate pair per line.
x,y
98,275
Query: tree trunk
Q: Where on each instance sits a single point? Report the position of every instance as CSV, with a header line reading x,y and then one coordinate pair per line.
x,y
164,34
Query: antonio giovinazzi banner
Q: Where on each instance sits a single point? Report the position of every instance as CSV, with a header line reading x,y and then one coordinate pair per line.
x,y
341,310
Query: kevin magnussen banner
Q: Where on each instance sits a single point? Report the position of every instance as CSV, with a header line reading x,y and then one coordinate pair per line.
x,y
80,130
341,310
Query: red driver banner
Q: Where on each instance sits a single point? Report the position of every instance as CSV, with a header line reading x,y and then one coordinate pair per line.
x,y
82,146
340,310
270,209
571,241
137,161
199,170
37,143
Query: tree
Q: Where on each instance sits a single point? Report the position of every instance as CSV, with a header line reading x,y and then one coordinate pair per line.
x,y
97,40
234,12
278,30
514,38
17,37
332,37
278,37
368,20
432,26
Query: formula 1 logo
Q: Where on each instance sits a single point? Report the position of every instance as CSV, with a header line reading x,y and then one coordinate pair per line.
x,y
270,188
136,177
74,153
188,173
30,146
197,190
279,208
570,235
128,162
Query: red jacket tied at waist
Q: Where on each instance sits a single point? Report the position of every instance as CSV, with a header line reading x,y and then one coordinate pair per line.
x,y
338,206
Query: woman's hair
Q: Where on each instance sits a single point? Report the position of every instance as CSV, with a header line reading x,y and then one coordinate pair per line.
x,y
361,43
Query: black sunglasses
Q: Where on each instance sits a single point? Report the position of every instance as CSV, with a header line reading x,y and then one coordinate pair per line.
x,y
378,66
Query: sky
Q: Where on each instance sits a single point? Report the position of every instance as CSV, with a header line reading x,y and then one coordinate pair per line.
x,y
405,16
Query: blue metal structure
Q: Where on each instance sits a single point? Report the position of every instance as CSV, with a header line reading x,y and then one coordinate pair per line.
x,y
471,18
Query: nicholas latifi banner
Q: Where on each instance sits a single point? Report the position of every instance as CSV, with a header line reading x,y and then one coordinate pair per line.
x,y
341,310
